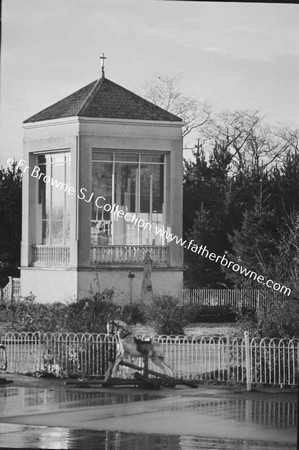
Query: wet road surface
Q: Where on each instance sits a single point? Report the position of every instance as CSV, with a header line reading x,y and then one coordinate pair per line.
x,y
129,419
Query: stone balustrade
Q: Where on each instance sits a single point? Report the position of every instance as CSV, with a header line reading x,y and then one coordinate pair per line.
x,y
50,255
128,254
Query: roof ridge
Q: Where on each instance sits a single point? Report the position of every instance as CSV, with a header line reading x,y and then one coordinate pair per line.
x,y
88,99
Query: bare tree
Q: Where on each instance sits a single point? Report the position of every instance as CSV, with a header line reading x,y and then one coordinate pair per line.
x,y
289,138
251,143
163,91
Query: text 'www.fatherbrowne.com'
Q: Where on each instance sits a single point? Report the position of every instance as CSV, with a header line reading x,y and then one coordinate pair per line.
x,y
203,251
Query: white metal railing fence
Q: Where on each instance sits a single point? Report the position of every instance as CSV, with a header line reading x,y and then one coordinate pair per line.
x,y
224,359
237,298
63,353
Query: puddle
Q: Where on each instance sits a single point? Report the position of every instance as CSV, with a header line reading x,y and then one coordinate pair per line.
x,y
22,436
183,423
19,399
278,414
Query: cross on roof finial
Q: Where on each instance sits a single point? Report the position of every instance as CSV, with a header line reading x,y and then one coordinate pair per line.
x,y
102,58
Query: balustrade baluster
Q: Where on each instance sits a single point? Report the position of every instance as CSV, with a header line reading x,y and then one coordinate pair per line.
x,y
126,254
50,255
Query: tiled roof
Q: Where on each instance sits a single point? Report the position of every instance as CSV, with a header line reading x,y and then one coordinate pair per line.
x,y
104,99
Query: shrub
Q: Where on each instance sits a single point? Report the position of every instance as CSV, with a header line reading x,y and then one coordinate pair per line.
x,y
280,319
88,315
168,315
218,314
28,316
132,314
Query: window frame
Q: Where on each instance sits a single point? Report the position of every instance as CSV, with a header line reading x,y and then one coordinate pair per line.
x,y
114,160
66,161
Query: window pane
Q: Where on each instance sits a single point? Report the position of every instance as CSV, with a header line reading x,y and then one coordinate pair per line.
x,y
46,206
67,231
68,197
45,232
151,202
57,193
41,159
126,186
137,189
152,158
57,232
41,186
126,197
151,188
57,158
98,155
53,209
44,159
126,158
102,187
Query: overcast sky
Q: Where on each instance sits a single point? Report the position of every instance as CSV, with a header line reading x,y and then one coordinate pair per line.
x,y
235,55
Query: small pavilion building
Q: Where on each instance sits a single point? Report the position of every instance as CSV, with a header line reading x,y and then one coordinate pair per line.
x,y
102,187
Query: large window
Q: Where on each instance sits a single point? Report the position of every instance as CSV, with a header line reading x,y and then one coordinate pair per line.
x,y
53,212
135,184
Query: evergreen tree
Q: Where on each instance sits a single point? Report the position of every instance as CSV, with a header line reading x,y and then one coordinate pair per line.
x,y
285,186
10,223
199,272
206,192
267,240
286,263
254,246
280,318
246,189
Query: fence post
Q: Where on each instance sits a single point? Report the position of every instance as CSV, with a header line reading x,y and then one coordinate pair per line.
x,y
12,288
228,356
248,360
258,300
40,352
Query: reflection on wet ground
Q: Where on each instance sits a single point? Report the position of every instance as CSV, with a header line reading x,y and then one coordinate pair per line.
x,y
144,420
260,412
20,399
23,436
264,412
